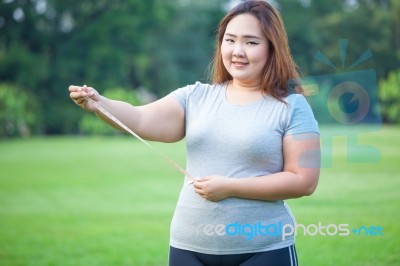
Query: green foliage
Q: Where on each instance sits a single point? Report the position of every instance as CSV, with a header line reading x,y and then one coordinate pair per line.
x,y
18,112
91,124
153,44
389,94
162,45
365,24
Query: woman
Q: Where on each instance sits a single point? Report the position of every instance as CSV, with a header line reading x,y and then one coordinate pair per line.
x,y
251,143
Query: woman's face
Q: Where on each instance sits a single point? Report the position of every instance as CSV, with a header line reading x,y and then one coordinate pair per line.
x,y
244,49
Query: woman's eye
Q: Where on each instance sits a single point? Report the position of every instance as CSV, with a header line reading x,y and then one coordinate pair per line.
x,y
228,40
252,43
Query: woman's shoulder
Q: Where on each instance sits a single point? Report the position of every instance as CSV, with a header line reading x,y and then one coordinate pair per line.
x,y
197,91
294,96
199,86
290,100
295,100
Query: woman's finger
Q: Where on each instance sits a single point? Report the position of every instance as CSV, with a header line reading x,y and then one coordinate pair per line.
x,y
73,88
81,101
76,96
81,95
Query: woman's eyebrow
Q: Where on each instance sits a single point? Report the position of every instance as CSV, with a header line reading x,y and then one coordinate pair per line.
x,y
244,36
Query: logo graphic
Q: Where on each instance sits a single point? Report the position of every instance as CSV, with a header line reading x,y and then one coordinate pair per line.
x,y
279,230
347,102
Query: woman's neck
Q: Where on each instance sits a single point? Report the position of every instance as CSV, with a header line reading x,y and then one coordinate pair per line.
x,y
237,85
243,93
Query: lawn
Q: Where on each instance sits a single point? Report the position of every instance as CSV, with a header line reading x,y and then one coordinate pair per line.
x,y
109,201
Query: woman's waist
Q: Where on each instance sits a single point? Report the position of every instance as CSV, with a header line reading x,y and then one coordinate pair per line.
x,y
226,227
234,210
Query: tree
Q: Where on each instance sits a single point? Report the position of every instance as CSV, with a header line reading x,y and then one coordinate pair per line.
x,y
18,112
160,45
389,94
156,44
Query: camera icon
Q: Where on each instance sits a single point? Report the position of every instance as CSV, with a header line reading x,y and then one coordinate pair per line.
x,y
348,104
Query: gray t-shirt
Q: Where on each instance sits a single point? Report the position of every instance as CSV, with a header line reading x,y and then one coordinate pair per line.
x,y
237,141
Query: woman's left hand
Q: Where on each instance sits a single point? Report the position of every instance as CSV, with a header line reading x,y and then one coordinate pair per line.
x,y
213,188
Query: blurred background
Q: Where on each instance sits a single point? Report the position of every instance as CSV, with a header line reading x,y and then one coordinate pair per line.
x,y
141,50
72,195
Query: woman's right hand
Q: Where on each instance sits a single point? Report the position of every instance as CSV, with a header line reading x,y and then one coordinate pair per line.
x,y
81,95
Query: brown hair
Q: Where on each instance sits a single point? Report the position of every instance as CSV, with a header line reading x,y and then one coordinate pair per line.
x,y
280,66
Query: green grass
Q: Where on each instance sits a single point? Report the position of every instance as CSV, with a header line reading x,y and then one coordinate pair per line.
x,y
109,201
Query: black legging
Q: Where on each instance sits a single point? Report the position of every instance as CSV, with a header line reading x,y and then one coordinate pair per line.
x,y
279,257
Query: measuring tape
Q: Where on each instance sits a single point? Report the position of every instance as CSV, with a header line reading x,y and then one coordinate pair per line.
x,y
122,125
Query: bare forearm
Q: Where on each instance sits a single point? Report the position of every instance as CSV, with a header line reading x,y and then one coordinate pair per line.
x,y
125,112
279,186
162,120
299,176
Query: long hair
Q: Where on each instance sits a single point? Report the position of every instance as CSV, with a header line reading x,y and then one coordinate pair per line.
x,y
280,66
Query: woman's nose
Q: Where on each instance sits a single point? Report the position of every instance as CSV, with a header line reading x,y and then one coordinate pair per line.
x,y
238,51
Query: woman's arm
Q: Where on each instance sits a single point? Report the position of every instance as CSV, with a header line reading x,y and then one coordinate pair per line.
x,y
299,177
162,120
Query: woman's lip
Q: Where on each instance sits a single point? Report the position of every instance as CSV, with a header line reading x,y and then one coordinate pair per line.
x,y
239,63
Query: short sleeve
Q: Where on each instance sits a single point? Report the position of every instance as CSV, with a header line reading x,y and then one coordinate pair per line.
x,y
301,118
182,94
